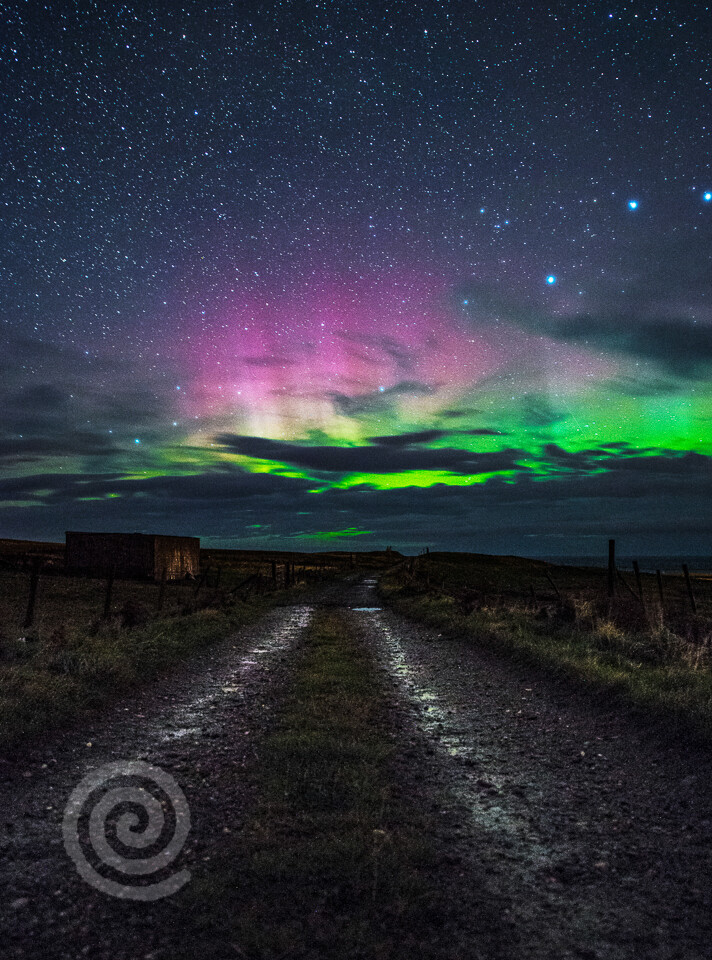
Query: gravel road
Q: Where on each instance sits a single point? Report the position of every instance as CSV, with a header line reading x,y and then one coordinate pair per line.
x,y
192,724
572,830
592,833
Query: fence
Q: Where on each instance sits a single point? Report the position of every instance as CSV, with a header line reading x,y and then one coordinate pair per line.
x,y
37,593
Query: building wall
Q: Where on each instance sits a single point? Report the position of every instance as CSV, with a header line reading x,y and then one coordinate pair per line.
x,y
178,555
131,554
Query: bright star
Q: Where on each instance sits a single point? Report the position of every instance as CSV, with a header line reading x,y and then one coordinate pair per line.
x,y
137,440
551,279
465,302
633,204
707,197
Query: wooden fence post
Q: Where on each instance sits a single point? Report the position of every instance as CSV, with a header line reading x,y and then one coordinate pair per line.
x,y
556,589
34,580
611,568
660,591
689,588
107,596
201,581
161,591
639,584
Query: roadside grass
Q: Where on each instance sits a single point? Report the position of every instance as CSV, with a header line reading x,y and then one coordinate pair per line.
x,y
51,681
663,670
332,861
73,604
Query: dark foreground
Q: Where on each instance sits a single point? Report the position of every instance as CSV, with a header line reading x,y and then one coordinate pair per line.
x,y
464,808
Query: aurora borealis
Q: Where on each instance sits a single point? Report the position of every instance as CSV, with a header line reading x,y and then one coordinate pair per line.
x,y
306,275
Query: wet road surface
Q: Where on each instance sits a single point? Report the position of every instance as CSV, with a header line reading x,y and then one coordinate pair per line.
x,y
594,834
582,833
190,724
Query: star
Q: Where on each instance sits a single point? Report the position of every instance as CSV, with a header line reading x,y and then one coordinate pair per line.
x,y
633,204
551,279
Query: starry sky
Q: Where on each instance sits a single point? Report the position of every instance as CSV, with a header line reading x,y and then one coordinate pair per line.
x,y
329,274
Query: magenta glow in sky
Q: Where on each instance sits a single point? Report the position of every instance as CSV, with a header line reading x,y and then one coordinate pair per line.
x,y
415,273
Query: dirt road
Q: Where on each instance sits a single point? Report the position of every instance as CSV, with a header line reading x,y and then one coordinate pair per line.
x,y
595,832
571,828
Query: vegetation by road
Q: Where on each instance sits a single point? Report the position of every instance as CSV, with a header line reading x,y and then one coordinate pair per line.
x,y
560,618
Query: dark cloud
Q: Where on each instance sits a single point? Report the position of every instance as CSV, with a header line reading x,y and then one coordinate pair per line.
x,y
645,386
377,400
571,513
427,436
681,346
408,439
75,405
539,410
68,444
223,484
376,459
678,345
371,348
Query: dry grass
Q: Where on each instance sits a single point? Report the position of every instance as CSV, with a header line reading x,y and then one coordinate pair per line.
x,y
660,663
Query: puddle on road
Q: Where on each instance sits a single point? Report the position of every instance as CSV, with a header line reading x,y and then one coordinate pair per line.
x,y
183,732
482,792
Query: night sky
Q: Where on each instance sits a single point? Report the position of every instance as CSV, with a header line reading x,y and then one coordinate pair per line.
x,y
329,274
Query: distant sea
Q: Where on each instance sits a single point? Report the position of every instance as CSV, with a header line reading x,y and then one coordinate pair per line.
x,y
667,564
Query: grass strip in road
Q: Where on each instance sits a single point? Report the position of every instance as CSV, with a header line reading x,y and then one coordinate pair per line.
x,y
63,678
662,676
332,861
